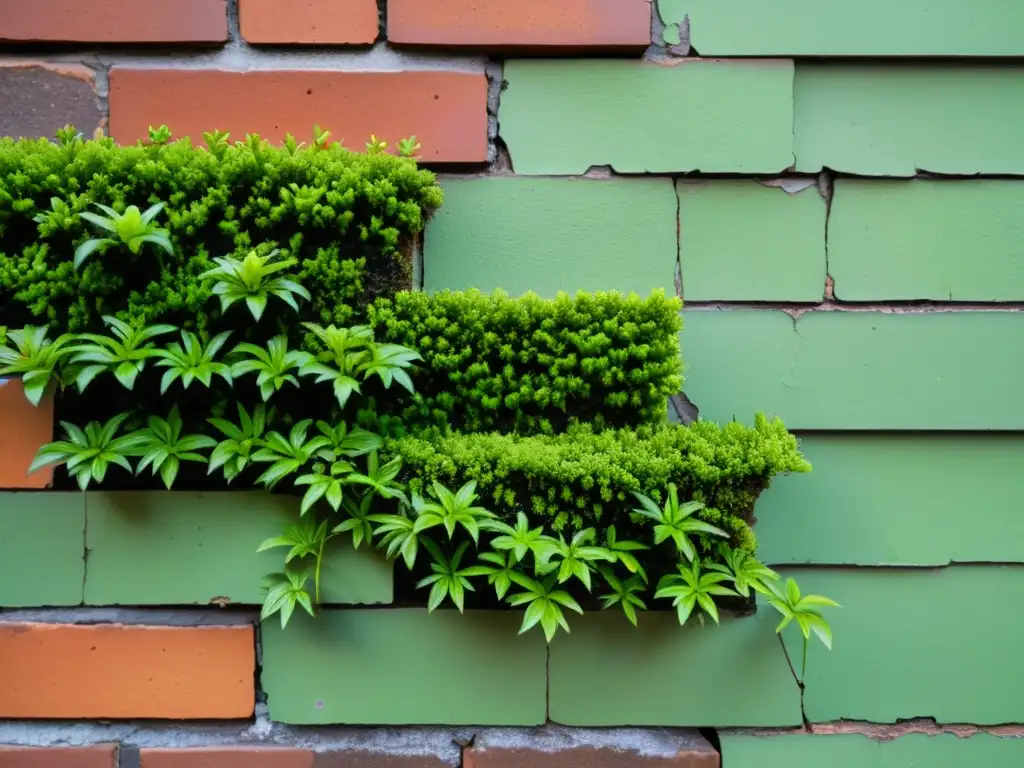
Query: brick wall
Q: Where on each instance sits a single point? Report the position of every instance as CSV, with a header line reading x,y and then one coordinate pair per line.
x,y
834,190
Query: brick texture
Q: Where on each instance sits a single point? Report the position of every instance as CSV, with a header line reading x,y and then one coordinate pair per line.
x,y
309,22
49,96
446,111
117,672
114,21
59,757
700,755
522,24
26,428
227,757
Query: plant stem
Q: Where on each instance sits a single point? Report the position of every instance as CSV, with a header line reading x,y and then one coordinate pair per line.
x,y
803,669
316,576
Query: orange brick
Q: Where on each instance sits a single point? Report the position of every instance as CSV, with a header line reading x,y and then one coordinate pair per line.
x,y
112,671
309,22
227,757
609,24
114,21
24,429
446,111
59,757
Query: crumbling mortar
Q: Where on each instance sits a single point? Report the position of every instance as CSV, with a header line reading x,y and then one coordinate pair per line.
x,y
659,51
496,84
884,732
382,20
234,23
678,276
826,188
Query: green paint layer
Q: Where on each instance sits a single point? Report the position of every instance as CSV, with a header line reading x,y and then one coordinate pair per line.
x,y
404,667
857,370
562,117
856,751
157,548
912,643
42,549
744,241
897,500
608,673
549,235
840,28
940,240
892,120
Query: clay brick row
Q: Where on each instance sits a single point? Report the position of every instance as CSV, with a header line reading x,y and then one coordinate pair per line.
x,y
283,757
445,110
114,671
525,24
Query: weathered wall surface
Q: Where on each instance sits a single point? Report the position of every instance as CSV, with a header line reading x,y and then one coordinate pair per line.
x,y
833,189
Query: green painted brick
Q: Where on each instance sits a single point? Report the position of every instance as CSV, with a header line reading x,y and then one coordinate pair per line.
x,y
840,28
897,499
608,673
838,370
547,235
42,549
197,547
745,241
799,751
404,667
894,120
950,751
940,240
849,750
939,643
562,117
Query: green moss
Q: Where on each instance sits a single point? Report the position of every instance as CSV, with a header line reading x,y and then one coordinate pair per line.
x,y
533,366
583,477
348,218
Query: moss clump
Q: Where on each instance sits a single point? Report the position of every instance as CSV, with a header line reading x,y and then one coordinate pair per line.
x,y
534,366
583,477
348,218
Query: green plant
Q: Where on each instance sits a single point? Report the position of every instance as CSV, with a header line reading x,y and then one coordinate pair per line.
x,y
286,590
543,603
805,610
287,455
675,521
233,454
275,366
124,355
623,594
250,280
448,579
191,360
530,365
131,229
34,357
162,446
449,510
89,452
574,558
694,586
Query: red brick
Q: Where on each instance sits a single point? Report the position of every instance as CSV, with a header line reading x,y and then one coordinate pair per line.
x,y
700,755
227,757
59,757
446,111
111,671
25,427
309,22
608,24
114,21
49,96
